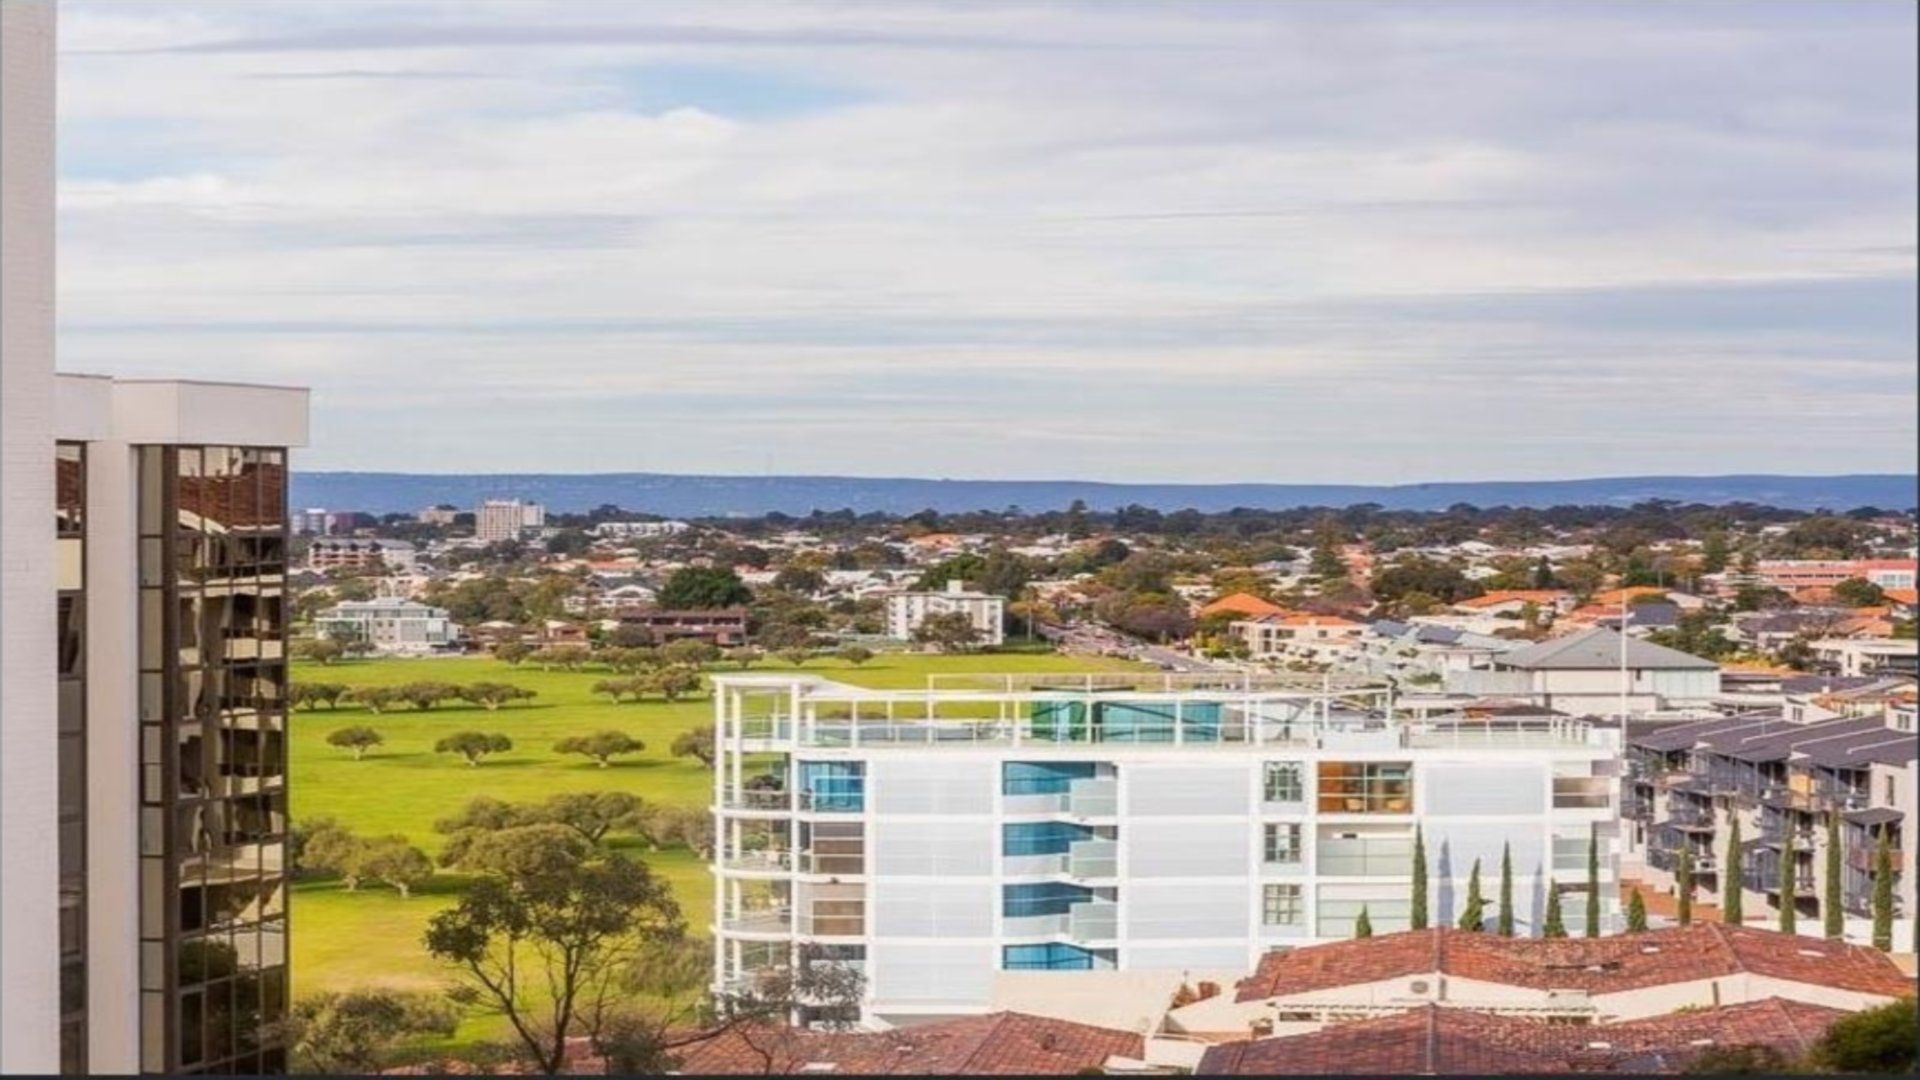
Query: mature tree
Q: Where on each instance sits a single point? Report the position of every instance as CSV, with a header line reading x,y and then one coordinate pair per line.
x,y
1882,904
1789,883
390,859
690,652
1877,1040
696,743
855,654
319,650
513,652
1473,913
703,587
1833,918
547,949
492,695
377,699
948,631
1683,888
1732,911
357,739
1554,924
1363,926
1859,592
473,745
356,1032
601,746
674,682
1636,913
1503,918
1418,907
1593,883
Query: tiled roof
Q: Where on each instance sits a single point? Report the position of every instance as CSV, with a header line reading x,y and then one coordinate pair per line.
x,y
1602,965
1600,649
1434,1040
997,1044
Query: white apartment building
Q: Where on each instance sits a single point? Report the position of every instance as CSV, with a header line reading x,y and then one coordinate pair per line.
x,y
906,610
1001,842
143,540
393,627
495,520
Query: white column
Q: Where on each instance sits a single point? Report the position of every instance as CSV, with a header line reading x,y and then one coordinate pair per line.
x,y
29,862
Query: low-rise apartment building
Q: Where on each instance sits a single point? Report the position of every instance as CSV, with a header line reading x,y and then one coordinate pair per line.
x,y
907,610
1001,842
390,626
1686,785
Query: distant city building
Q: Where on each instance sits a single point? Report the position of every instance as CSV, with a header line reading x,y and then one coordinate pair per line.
x,y
506,519
639,529
999,841
390,626
364,556
720,626
907,610
443,514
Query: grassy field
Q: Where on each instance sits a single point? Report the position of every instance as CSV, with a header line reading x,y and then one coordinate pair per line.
x,y
372,937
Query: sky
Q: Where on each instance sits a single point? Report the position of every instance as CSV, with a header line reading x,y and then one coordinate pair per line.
x,y
1129,241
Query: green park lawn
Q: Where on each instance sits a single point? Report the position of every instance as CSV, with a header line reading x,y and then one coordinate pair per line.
x,y
372,937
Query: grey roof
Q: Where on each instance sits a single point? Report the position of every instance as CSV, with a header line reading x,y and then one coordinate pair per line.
x,y
1599,649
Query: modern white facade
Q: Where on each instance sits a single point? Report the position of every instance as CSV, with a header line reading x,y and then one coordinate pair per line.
x,y
986,842
907,610
390,626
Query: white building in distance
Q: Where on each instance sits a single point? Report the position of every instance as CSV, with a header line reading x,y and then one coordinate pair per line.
x,y
1001,842
390,626
495,520
906,611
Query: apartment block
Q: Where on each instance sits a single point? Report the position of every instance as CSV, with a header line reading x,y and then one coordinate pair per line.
x,y
999,842
907,610
1687,784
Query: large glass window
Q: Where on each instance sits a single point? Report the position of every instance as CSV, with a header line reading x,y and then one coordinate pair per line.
x,y
1281,905
70,540
213,759
1366,787
1282,843
1285,782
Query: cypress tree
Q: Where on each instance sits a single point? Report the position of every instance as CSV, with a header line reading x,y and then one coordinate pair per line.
x,y
1789,883
1833,919
1683,886
1553,926
1636,913
1474,912
1730,908
1883,895
1363,926
1505,915
1419,912
1593,883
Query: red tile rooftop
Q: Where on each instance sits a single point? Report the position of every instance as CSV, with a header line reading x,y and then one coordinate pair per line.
x,y
1434,1040
1602,965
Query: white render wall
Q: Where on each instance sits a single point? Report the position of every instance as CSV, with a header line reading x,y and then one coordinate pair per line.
x,y
1190,875
29,938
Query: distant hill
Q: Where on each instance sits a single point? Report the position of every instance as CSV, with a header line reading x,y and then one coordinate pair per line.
x,y
703,496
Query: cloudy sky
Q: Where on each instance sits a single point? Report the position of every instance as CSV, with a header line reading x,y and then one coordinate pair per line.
x,y
1120,241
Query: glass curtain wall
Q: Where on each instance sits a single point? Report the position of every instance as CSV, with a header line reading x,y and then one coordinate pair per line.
x,y
213,823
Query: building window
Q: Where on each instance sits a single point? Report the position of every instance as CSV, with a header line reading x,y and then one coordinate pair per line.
x,y
1282,843
1285,782
1281,905
70,539
1366,787
212,570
